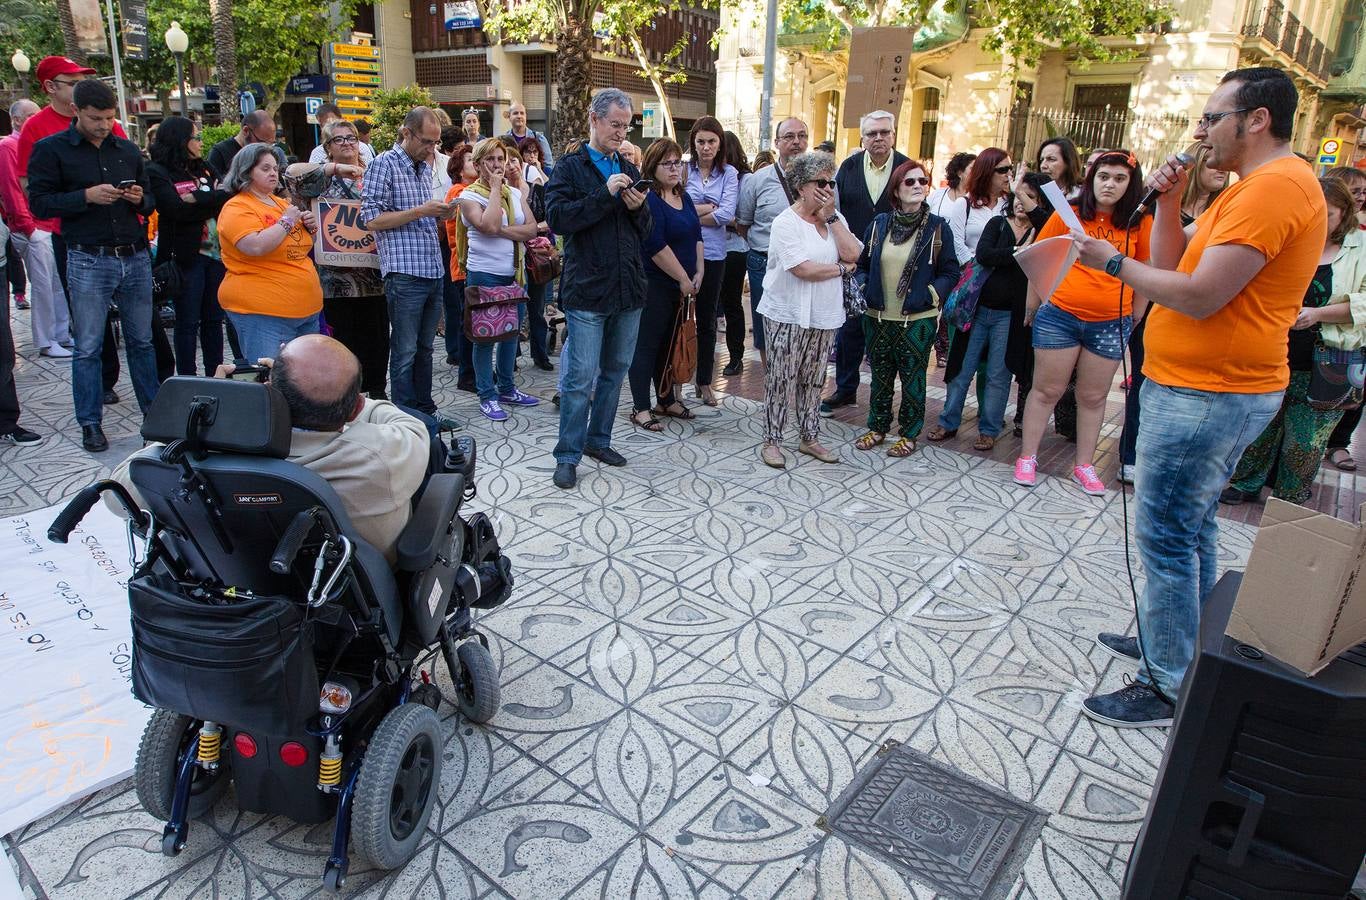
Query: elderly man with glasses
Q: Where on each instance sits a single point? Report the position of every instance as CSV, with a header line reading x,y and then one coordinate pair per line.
x,y
592,202
861,186
397,206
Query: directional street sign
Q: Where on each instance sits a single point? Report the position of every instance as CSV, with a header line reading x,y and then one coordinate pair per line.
x,y
356,78
351,90
361,51
356,104
356,65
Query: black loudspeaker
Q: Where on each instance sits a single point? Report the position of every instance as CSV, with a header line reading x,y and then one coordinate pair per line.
x,y
1262,789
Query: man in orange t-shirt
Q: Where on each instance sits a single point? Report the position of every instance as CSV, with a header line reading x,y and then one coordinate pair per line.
x,y
1225,292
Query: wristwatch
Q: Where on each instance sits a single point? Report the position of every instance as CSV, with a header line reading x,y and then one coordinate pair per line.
x,y
1112,266
832,220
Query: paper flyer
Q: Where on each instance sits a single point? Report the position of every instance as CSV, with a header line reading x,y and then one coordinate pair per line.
x,y
1046,262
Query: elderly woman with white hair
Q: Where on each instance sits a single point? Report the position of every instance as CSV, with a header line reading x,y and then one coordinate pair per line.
x,y
810,251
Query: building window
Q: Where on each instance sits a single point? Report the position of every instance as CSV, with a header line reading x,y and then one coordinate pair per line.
x,y
929,123
1101,112
1016,138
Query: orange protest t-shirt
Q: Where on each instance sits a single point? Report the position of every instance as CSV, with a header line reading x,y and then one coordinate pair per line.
x,y
282,283
1278,210
1090,294
457,273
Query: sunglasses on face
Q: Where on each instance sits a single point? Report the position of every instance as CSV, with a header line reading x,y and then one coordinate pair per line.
x,y
911,181
823,182
1003,170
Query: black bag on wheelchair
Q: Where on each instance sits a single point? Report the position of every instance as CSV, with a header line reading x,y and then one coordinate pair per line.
x,y
244,660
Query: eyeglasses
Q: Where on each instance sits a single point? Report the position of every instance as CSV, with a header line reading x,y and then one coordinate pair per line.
x,y
65,83
615,125
910,181
823,182
671,164
793,136
880,133
1209,119
344,139
196,137
1002,170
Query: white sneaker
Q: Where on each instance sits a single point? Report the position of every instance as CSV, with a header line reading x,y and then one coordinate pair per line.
x,y
1126,474
56,351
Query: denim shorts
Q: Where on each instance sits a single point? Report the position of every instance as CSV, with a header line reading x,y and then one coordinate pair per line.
x,y
1058,329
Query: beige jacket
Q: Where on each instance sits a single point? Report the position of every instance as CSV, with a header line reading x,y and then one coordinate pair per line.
x,y
1349,286
375,464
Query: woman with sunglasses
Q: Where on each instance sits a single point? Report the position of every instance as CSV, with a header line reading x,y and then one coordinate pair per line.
x,y
353,296
908,263
988,183
810,250
1086,324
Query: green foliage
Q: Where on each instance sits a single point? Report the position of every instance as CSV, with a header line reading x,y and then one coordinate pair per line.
x,y
390,108
32,25
213,134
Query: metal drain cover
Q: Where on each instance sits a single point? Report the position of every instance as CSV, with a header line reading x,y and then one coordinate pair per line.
x,y
937,825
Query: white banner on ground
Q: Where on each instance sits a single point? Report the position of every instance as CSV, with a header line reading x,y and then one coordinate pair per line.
x,y
69,724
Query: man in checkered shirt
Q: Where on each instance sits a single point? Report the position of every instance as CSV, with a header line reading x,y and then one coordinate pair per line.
x,y
397,205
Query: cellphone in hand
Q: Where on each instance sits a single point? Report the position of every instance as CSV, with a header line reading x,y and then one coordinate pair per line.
x,y
257,374
126,184
643,184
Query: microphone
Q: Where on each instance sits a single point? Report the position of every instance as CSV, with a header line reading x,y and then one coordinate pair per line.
x,y
1185,161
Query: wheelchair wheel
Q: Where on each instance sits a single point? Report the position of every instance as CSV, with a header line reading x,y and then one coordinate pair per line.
x,y
397,785
477,690
164,741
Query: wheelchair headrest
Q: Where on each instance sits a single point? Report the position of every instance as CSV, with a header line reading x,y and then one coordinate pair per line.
x,y
221,415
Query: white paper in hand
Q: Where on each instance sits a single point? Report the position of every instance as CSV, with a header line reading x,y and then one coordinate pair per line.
x,y
1061,206
1046,263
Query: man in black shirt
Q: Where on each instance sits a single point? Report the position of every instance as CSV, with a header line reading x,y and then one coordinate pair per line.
x,y
94,181
257,128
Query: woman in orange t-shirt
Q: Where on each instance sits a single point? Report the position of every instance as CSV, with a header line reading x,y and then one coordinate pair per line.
x,y
1086,323
271,292
458,350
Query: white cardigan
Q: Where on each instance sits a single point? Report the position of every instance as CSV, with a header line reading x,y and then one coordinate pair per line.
x,y
1349,286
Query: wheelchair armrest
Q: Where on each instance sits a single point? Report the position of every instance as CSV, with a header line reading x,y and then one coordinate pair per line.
x,y
426,530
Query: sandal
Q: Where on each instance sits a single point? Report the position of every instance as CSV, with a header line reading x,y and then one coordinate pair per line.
x,y
1340,457
650,424
939,433
870,440
674,411
902,448
984,442
704,393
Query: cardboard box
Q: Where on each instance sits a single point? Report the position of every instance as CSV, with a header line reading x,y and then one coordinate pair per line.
x,y
879,66
1303,598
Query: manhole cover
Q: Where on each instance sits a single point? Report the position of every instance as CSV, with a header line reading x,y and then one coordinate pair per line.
x,y
937,825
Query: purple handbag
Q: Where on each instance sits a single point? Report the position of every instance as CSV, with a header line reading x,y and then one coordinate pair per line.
x,y
491,313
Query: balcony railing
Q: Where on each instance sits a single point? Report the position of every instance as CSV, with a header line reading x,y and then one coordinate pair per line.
x,y
1264,21
1291,35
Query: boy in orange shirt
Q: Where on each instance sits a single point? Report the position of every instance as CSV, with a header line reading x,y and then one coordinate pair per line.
x,y
1225,292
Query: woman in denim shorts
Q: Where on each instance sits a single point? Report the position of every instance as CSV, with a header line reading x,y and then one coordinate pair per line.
x,y
1085,325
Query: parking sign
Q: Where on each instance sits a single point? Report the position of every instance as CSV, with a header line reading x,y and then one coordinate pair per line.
x,y
311,107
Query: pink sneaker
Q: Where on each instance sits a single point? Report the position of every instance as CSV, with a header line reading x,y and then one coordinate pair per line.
x,y
1026,469
1086,477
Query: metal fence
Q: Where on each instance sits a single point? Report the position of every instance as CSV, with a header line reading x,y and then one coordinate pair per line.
x,y
1021,131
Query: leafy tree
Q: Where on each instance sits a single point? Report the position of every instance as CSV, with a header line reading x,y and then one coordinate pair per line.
x,y
390,108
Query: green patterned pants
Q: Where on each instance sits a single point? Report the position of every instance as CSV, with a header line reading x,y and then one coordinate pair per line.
x,y
1294,443
898,348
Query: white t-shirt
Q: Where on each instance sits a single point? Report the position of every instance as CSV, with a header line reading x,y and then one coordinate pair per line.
x,y
488,254
787,298
319,154
967,225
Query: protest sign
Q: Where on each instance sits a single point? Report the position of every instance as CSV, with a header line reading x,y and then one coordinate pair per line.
x,y
341,239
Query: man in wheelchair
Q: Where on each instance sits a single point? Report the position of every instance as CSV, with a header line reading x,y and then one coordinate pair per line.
x,y
296,584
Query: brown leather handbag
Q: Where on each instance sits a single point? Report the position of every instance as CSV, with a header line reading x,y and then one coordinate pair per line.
x,y
682,362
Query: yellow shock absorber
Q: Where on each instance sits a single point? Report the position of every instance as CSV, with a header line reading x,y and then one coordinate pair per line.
x,y
330,765
210,739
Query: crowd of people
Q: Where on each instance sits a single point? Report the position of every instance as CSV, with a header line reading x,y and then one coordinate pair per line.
x,y
854,261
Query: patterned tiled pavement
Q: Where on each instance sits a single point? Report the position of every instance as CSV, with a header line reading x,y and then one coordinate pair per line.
x,y
700,654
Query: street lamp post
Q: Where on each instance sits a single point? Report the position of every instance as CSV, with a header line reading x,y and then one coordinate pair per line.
x,y
177,41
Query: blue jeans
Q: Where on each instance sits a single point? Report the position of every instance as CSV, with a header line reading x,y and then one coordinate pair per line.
x,y
756,264
604,343
989,333
198,317
1189,442
487,368
1128,439
540,331
261,335
849,353
95,283
414,310
457,348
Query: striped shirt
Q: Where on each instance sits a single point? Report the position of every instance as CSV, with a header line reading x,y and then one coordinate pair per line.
x,y
395,182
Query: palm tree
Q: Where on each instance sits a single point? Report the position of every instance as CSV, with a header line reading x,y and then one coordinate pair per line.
x,y
224,58
573,69
68,22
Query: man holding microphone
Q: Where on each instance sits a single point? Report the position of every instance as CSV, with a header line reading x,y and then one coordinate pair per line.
x,y
1225,292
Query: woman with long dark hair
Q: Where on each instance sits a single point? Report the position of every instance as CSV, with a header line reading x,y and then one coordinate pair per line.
x,y
188,201
534,177
988,182
1060,161
1085,325
714,186
733,273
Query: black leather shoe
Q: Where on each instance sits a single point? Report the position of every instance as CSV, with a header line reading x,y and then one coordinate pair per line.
x,y
467,386
544,365
606,455
566,475
93,439
734,368
110,397
1232,496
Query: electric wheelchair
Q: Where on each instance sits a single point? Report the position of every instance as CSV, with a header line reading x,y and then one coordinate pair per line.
x,y
279,650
